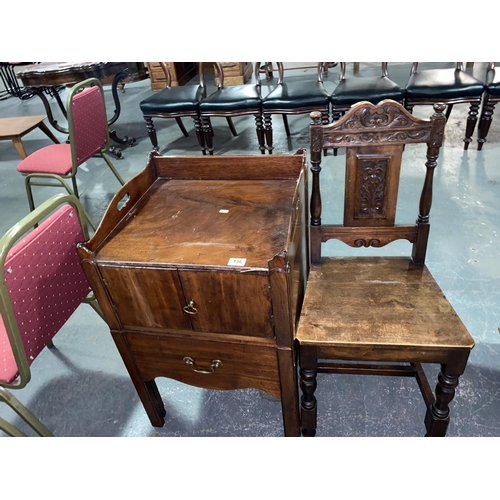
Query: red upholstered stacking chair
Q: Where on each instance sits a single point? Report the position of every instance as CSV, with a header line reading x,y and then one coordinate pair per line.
x,y
88,137
42,285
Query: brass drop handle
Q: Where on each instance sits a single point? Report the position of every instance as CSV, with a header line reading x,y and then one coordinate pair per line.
x,y
216,363
190,308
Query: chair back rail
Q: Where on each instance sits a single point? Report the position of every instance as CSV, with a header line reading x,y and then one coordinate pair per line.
x,y
375,136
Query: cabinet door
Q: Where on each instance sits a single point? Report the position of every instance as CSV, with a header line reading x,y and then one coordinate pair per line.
x,y
146,298
229,302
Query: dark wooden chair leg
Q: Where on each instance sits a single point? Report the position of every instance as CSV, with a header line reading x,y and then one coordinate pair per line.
x,y
285,123
260,133
181,126
471,124
199,133
207,134
268,129
151,132
231,126
485,121
437,417
448,111
308,384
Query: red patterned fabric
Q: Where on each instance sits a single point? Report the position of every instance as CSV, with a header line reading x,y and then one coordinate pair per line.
x,y
46,284
90,136
90,124
53,159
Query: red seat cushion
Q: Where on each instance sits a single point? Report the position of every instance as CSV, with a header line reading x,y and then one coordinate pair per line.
x,y
53,159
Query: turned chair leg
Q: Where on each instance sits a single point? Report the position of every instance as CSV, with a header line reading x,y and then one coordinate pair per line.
x,y
207,135
308,404
151,132
268,129
437,417
260,133
485,121
471,124
199,133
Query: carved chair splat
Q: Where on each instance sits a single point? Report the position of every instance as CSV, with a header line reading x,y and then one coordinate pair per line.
x,y
377,315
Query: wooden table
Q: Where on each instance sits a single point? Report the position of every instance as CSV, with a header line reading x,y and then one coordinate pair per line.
x,y
200,266
55,74
16,127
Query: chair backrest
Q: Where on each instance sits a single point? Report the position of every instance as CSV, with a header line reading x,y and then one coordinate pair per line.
x,y
343,66
219,74
374,138
87,121
43,283
459,66
281,71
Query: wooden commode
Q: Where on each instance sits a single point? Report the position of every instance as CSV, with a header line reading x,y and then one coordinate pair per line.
x,y
200,267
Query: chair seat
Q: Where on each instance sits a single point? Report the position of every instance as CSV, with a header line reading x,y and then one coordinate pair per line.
x,y
296,95
53,159
377,302
174,100
232,99
374,90
493,83
443,84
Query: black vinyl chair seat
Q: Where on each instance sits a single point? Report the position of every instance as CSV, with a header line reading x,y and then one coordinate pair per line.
x,y
294,95
374,90
183,99
444,83
232,99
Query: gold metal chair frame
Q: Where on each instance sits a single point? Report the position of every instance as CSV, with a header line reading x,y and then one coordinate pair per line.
x,y
7,312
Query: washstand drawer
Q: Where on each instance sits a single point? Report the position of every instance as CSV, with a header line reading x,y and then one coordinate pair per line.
x,y
211,364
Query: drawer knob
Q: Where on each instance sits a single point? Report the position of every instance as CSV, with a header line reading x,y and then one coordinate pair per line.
x,y
190,308
216,363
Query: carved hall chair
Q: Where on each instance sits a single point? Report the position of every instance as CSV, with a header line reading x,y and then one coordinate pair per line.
x,y
174,102
42,285
294,97
358,88
231,101
88,137
447,85
377,315
490,98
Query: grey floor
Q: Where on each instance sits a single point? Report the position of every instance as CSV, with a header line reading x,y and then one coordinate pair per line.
x,y
81,387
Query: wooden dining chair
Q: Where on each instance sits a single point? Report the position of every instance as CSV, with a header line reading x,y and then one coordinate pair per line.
x,y
377,315
446,85
230,101
293,97
174,102
490,99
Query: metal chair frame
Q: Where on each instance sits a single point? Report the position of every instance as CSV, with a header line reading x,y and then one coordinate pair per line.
x,y
11,237
44,179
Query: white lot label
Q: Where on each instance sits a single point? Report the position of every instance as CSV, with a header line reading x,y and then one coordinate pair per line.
x,y
236,262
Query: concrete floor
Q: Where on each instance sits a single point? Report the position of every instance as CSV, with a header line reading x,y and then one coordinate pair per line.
x,y
81,387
